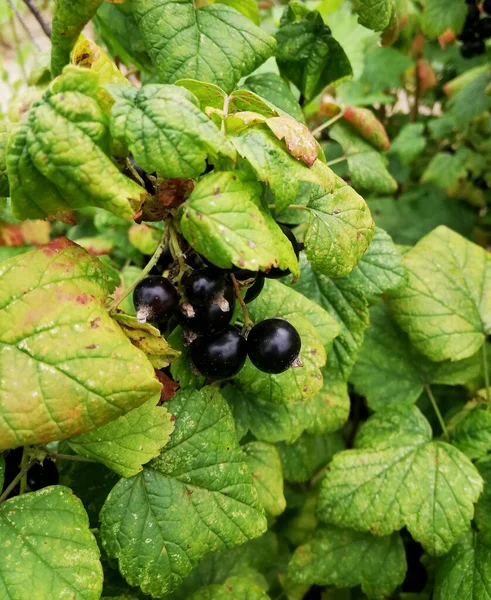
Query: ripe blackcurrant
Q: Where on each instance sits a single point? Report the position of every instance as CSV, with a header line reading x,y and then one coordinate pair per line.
x,y
273,345
220,356
164,262
41,475
275,272
484,27
154,298
209,318
472,48
194,260
255,289
472,17
204,285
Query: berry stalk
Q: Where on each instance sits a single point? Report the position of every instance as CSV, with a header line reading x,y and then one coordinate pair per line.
x,y
248,323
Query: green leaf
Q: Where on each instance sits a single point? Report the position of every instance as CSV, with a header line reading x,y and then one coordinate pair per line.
x,y
384,68
248,8
302,459
166,117
144,238
465,572
367,167
381,268
349,307
265,466
47,548
181,368
129,274
232,589
374,14
68,366
447,170
2,470
225,221
276,90
329,409
483,507
340,229
395,477
347,558
317,330
69,19
440,15
307,54
4,181
389,370
214,43
197,497
127,443
409,143
446,306
470,101
472,430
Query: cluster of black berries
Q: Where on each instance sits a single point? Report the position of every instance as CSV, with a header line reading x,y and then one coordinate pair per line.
x,y
205,309
476,29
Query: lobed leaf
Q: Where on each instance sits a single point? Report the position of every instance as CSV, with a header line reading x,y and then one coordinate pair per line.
x,y
374,14
265,466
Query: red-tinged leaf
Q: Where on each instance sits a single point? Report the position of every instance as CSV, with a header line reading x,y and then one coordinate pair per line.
x,y
426,75
96,246
169,386
298,139
24,234
368,126
144,238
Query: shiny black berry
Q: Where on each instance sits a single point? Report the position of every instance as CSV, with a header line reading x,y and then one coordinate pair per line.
x,y
255,289
472,48
41,475
220,356
273,345
484,28
208,318
275,272
194,260
204,285
154,298
473,15
164,262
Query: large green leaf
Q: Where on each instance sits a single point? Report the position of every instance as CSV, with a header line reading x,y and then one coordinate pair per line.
x,y
347,558
265,466
389,370
483,507
440,15
471,431
57,159
197,497
446,306
340,229
317,330
374,14
329,409
4,181
233,589
69,18
48,550
409,142
276,90
165,130
226,221
214,43
127,443
465,572
66,366
396,476
307,53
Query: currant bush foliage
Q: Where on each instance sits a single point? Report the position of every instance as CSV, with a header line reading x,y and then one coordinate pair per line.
x,y
195,134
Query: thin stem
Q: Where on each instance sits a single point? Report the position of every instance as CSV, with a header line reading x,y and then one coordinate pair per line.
x,y
16,480
24,25
177,252
151,263
225,113
247,320
328,123
486,373
336,161
39,17
24,468
75,457
437,411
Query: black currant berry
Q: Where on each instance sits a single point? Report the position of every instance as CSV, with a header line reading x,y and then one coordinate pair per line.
x,y
220,356
472,48
41,475
273,345
154,298
143,175
486,5
484,28
255,289
473,15
275,272
208,318
194,260
164,262
204,285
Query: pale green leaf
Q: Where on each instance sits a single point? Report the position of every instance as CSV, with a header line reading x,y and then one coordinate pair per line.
x,y
197,497
446,306
127,443
447,170
215,43
317,330
4,182
472,430
276,90
265,466
340,229
470,101
47,549
389,370
225,221
144,238
440,15
395,477
374,14
67,367
165,130
367,167
233,589
465,572
329,409
409,143
248,8
2,470
302,459
347,558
